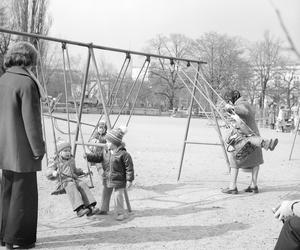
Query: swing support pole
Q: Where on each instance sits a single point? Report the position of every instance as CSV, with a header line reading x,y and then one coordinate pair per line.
x,y
81,101
296,133
100,88
187,126
219,132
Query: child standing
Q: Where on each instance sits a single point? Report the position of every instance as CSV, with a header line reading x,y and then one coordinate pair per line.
x,y
118,172
98,137
63,169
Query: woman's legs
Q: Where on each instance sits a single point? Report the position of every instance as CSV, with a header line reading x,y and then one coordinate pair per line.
x,y
255,171
232,186
20,208
233,175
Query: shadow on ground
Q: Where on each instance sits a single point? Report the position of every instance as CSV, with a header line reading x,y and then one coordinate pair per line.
x,y
138,235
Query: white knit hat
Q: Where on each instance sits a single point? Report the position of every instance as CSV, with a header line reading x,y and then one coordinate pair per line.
x,y
62,144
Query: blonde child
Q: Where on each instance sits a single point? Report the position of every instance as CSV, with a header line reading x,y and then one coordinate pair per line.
x,y
62,168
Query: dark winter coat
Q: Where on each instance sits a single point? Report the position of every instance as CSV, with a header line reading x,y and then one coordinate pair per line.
x,y
247,113
21,137
117,167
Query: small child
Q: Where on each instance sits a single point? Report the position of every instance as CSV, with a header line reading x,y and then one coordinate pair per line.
x,y
118,172
63,169
98,137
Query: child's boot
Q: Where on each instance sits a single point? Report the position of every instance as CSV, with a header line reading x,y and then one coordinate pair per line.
x,y
121,217
93,210
269,144
102,212
265,144
81,211
273,144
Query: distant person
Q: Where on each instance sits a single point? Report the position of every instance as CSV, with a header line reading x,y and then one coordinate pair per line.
x,y
295,116
118,172
62,168
272,116
280,121
289,213
21,147
246,112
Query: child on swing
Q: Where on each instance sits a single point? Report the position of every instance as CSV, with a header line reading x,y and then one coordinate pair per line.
x,y
118,172
241,132
63,169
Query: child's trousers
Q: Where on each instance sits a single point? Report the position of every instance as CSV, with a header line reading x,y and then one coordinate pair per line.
x,y
79,194
255,140
105,199
119,201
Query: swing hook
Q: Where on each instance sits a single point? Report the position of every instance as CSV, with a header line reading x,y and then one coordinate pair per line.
x,y
188,64
148,58
63,45
128,56
172,62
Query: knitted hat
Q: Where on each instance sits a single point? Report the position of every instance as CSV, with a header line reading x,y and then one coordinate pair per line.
x,y
102,124
61,145
115,135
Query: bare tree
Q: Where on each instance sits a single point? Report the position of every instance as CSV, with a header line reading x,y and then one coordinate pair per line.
x,y
163,76
4,38
32,16
284,87
224,57
265,58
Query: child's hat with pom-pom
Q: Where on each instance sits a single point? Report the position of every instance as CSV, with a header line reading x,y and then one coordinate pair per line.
x,y
62,144
115,135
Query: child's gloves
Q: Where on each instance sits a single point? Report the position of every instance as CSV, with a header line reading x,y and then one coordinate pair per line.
x,y
128,184
55,173
229,108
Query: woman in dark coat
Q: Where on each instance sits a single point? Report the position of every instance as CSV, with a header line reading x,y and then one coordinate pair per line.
x,y
246,112
21,147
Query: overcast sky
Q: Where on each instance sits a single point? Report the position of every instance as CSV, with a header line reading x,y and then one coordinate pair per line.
x,y
129,24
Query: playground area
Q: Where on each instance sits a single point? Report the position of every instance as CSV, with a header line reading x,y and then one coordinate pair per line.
x,y
189,214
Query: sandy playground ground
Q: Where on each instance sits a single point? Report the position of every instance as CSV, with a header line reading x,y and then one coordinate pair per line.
x,y
189,214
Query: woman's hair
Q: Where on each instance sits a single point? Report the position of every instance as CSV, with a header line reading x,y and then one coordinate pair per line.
x,y
232,95
21,54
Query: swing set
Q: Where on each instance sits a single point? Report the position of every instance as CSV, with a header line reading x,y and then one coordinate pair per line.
x,y
200,90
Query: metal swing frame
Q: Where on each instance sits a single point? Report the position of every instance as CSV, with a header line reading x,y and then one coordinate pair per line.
x,y
128,53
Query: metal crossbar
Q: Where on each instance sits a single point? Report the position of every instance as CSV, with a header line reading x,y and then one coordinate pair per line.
x,y
91,45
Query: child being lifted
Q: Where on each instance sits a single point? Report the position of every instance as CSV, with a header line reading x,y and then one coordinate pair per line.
x,y
62,168
242,139
118,172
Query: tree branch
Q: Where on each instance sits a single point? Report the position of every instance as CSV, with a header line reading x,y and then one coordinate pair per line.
x,y
287,34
